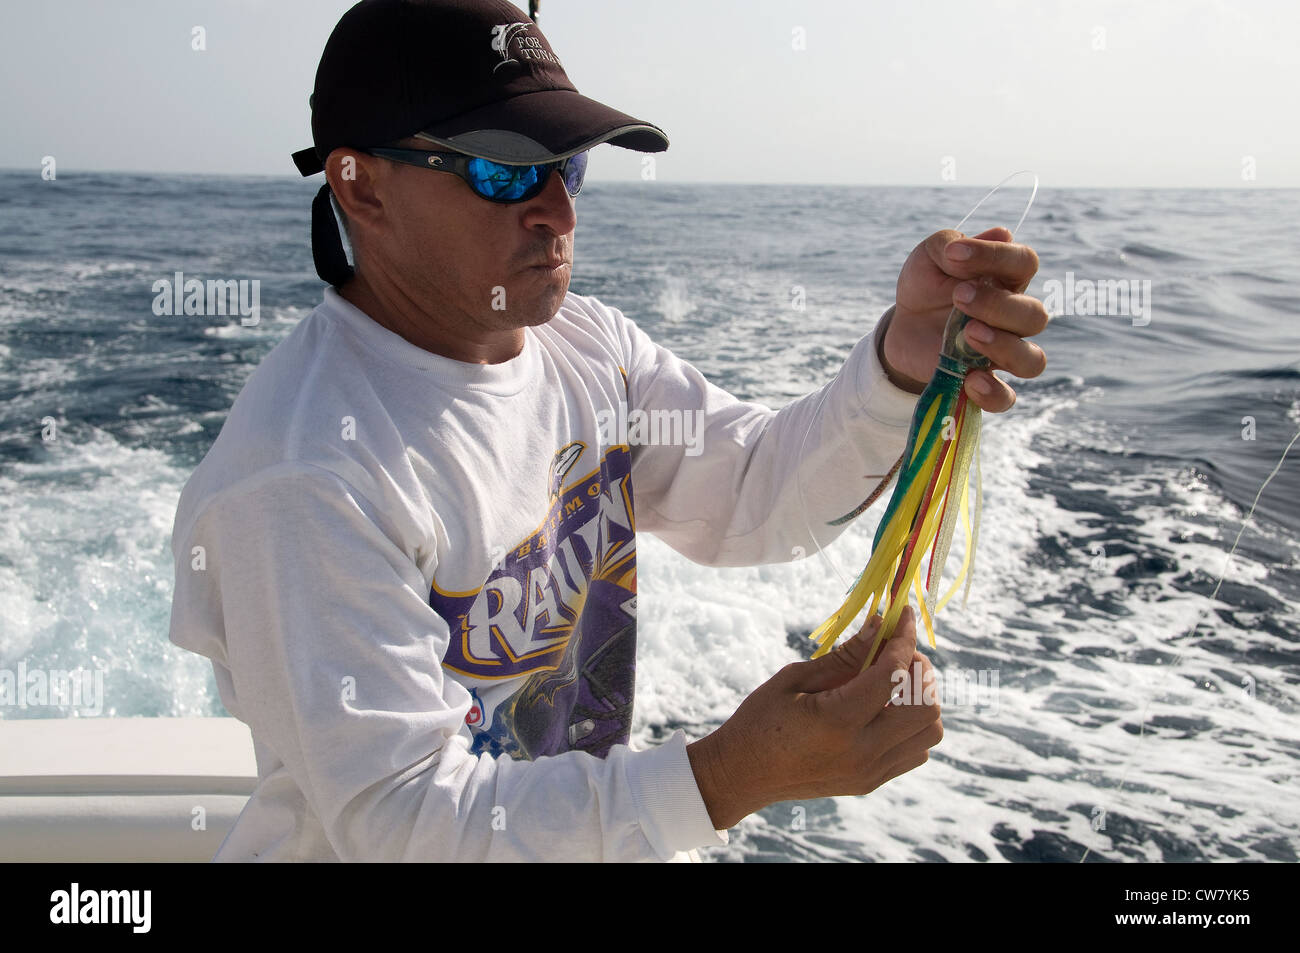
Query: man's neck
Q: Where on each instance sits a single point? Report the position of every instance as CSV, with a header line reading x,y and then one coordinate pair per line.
x,y
431,330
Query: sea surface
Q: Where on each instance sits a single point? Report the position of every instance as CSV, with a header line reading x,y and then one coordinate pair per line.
x,y
1134,716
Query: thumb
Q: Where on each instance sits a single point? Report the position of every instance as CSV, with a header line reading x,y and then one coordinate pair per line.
x,y
840,664
871,690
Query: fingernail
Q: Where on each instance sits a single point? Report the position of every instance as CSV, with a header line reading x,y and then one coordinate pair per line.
x,y
979,385
958,252
978,331
965,292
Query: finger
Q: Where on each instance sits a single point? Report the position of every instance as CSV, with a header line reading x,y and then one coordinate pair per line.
x,y
1010,264
920,689
898,725
1010,353
989,392
897,652
1019,314
864,696
839,665
926,734
912,751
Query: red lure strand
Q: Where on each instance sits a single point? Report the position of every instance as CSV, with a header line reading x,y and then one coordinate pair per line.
x,y
920,522
960,418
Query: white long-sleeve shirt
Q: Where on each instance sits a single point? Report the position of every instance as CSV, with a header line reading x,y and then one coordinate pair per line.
x,y
415,577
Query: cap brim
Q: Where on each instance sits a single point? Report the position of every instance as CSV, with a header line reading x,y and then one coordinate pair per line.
x,y
543,126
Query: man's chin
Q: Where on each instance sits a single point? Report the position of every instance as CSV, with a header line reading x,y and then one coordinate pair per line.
x,y
545,306
532,298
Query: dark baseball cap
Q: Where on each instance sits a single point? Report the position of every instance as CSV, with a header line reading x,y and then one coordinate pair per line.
x,y
474,76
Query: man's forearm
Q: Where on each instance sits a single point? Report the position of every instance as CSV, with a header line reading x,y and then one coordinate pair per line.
x,y
757,485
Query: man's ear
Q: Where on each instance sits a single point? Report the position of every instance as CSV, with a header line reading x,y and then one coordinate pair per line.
x,y
352,179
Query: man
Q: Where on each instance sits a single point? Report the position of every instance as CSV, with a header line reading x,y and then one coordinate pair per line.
x,y
410,554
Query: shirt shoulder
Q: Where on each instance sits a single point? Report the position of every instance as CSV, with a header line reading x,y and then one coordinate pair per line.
x,y
586,321
311,404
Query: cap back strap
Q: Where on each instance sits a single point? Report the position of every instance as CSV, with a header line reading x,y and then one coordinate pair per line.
x,y
326,243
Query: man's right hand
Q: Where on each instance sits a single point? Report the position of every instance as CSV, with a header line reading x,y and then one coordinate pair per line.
x,y
820,728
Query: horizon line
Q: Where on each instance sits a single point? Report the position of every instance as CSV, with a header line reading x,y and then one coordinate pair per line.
x,y
35,171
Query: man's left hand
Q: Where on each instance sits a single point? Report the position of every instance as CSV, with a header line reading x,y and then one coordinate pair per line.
x,y
933,282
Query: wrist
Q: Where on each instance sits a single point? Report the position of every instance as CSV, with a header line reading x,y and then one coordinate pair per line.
x,y
711,778
898,379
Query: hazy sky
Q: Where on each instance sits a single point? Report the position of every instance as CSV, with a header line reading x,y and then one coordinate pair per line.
x,y
1087,93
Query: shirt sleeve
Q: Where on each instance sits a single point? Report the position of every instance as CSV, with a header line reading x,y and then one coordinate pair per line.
x,y
333,654
757,483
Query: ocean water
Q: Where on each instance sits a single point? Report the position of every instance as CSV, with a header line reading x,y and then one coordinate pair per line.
x,y
1134,717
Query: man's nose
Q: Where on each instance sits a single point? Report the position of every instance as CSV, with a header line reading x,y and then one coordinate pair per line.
x,y
552,207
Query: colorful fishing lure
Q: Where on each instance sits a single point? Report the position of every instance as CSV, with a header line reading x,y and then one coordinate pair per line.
x,y
930,497
932,493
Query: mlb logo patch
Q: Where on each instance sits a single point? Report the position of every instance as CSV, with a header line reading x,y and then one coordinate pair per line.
x,y
474,717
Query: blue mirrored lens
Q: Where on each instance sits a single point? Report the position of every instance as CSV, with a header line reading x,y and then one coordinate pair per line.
x,y
514,183
504,183
574,171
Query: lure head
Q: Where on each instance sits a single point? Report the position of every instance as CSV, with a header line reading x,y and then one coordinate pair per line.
x,y
956,357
